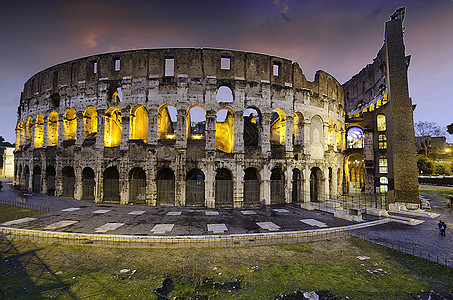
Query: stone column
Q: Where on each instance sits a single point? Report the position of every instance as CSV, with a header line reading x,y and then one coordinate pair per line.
x,y
79,134
289,134
325,143
210,130
99,183
307,138
44,133
181,138
288,183
125,124
100,129
152,126
238,132
78,189
325,172
239,185
266,136
210,185
60,130
266,184
306,173
180,177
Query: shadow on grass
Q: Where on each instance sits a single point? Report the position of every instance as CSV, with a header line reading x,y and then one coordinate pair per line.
x,y
26,276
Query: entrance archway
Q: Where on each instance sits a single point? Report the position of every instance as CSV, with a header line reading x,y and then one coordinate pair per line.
x,y
37,179
316,188
50,176
277,186
297,194
166,187
223,188
88,184
251,188
111,185
195,188
68,180
137,186
355,173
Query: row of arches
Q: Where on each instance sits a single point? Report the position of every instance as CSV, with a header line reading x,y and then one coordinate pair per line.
x,y
44,132
165,181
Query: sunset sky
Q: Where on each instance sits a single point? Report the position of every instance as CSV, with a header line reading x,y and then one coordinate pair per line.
x,y
339,37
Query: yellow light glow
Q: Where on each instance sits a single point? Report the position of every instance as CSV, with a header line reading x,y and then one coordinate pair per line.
x,y
197,136
52,129
224,134
113,127
70,125
170,136
139,123
447,150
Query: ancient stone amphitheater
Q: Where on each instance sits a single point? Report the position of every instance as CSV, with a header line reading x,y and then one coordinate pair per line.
x,y
183,127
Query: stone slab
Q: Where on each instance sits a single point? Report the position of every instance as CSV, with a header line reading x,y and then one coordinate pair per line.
x,y
217,228
59,225
18,221
174,213
101,211
71,209
162,228
248,212
108,227
268,226
313,222
212,213
281,210
137,212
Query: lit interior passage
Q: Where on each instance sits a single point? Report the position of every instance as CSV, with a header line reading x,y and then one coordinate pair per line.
x,y
39,131
90,122
139,123
355,137
113,126
70,125
52,129
251,127
29,131
167,122
298,129
278,127
355,173
224,133
196,123
22,133
19,130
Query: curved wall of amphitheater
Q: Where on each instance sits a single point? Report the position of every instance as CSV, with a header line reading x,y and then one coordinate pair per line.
x,y
195,127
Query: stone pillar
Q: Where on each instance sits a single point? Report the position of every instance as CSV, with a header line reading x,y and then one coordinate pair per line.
x,y
307,138
180,192
325,172
152,126
289,134
43,177
60,130
44,134
266,136
78,189
288,183
266,184
125,124
79,134
325,143
239,185
306,173
100,130
210,130
124,187
99,183
334,187
210,185
181,138
238,132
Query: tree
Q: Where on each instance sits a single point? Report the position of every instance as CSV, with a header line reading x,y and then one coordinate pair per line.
x,y
428,129
450,128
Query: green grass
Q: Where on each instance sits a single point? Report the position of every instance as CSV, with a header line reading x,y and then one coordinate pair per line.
x,y
68,271
11,212
436,190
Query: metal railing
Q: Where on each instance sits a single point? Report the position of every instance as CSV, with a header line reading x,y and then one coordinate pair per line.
x,y
25,205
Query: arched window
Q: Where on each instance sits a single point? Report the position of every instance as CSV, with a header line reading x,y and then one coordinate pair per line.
x,y
223,188
88,184
166,187
371,107
137,186
90,122
383,187
29,131
277,186
139,123
70,125
195,190
111,185
251,127
224,94
113,127
196,123
381,122
382,142
278,127
251,187
383,166
298,129
52,129
355,137
39,131
167,122
224,132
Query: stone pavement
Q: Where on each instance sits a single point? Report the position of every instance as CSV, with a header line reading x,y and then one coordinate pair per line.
x,y
69,215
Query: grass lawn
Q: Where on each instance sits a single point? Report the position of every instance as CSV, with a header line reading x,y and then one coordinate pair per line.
x,y
436,190
32,270
11,212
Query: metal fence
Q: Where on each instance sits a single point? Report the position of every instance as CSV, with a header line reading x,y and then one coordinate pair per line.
x,y
25,205
404,248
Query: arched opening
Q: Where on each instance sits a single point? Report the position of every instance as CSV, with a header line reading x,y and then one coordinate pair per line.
x,y
88,184
330,174
19,177
277,186
36,179
70,125
252,121
355,173
55,100
50,178
113,126
114,93
298,129
137,186
331,133
278,127
39,131
22,133
251,187
383,185
297,192
195,188
338,137
339,181
224,94
317,137
26,182
166,187
111,185
355,138
224,132
316,188
223,188
68,181
52,129
139,123
381,122
29,131
167,122
90,122
18,132
196,123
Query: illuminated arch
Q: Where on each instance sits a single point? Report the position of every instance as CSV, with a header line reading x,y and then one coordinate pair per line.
x,y
19,134
252,120
355,137
331,133
52,129
167,122
355,173
381,123
113,127
371,107
278,127
39,131
224,94
196,122
379,103
139,123
22,133
70,125
29,130
90,122
298,129
224,131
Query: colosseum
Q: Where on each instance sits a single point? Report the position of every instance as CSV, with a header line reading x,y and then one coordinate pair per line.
x,y
213,128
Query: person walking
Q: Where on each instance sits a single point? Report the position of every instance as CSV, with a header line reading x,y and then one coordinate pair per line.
x,y
442,226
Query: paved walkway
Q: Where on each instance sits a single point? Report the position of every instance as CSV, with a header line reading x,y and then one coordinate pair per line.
x,y
69,215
